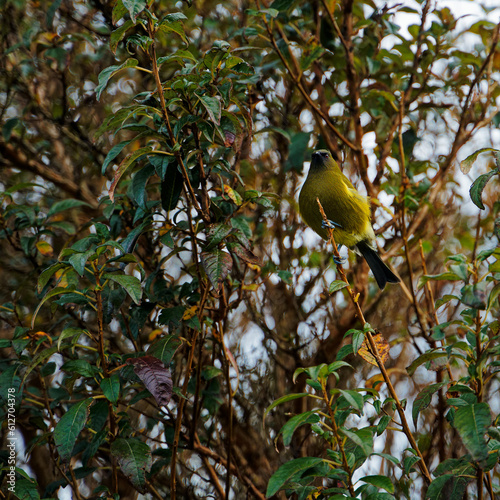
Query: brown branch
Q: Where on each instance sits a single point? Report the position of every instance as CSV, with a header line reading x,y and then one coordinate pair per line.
x,y
374,351
17,159
297,78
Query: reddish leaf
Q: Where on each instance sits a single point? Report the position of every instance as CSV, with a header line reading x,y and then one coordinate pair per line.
x,y
155,376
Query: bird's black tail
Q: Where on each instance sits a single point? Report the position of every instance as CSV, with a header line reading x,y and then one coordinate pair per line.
x,y
379,269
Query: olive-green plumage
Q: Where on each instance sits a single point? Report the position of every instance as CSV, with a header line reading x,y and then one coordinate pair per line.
x,y
345,207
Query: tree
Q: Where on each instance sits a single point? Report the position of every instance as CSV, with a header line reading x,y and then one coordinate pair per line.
x,y
161,295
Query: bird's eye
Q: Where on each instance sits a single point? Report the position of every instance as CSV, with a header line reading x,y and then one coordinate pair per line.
x,y
325,154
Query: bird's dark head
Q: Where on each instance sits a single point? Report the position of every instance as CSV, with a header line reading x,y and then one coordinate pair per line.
x,y
321,158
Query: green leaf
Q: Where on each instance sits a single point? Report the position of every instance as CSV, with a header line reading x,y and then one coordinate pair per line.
x,y
428,356
171,187
165,348
382,425
79,260
111,388
362,438
309,417
171,23
134,458
217,265
287,472
213,107
472,422
423,399
107,73
492,297
358,337
139,182
297,151
58,290
130,284
476,190
336,365
465,165
285,399
283,5
62,205
336,285
124,165
383,482
447,486
134,7
47,274
26,490
69,333
355,399
118,34
474,295
70,426
112,154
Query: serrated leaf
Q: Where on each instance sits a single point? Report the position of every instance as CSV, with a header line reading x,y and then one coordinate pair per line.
x,y
155,376
111,388
69,427
134,458
107,73
26,489
165,348
124,165
217,265
447,486
423,399
287,471
476,190
472,422
213,107
130,284
47,274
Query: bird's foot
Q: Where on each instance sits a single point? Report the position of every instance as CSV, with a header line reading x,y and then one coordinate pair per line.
x,y
339,262
329,223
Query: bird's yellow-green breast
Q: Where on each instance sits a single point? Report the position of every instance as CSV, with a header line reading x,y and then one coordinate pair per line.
x,y
340,200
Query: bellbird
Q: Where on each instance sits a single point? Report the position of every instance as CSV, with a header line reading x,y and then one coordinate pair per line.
x,y
346,209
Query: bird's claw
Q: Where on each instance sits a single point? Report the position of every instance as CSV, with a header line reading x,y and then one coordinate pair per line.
x,y
329,223
339,262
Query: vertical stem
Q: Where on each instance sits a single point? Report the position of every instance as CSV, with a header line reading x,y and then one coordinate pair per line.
x,y
338,438
178,421
104,361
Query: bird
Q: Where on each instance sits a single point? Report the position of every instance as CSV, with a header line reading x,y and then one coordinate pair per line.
x,y
348,213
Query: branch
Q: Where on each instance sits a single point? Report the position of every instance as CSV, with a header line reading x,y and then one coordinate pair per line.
x,y
376,354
